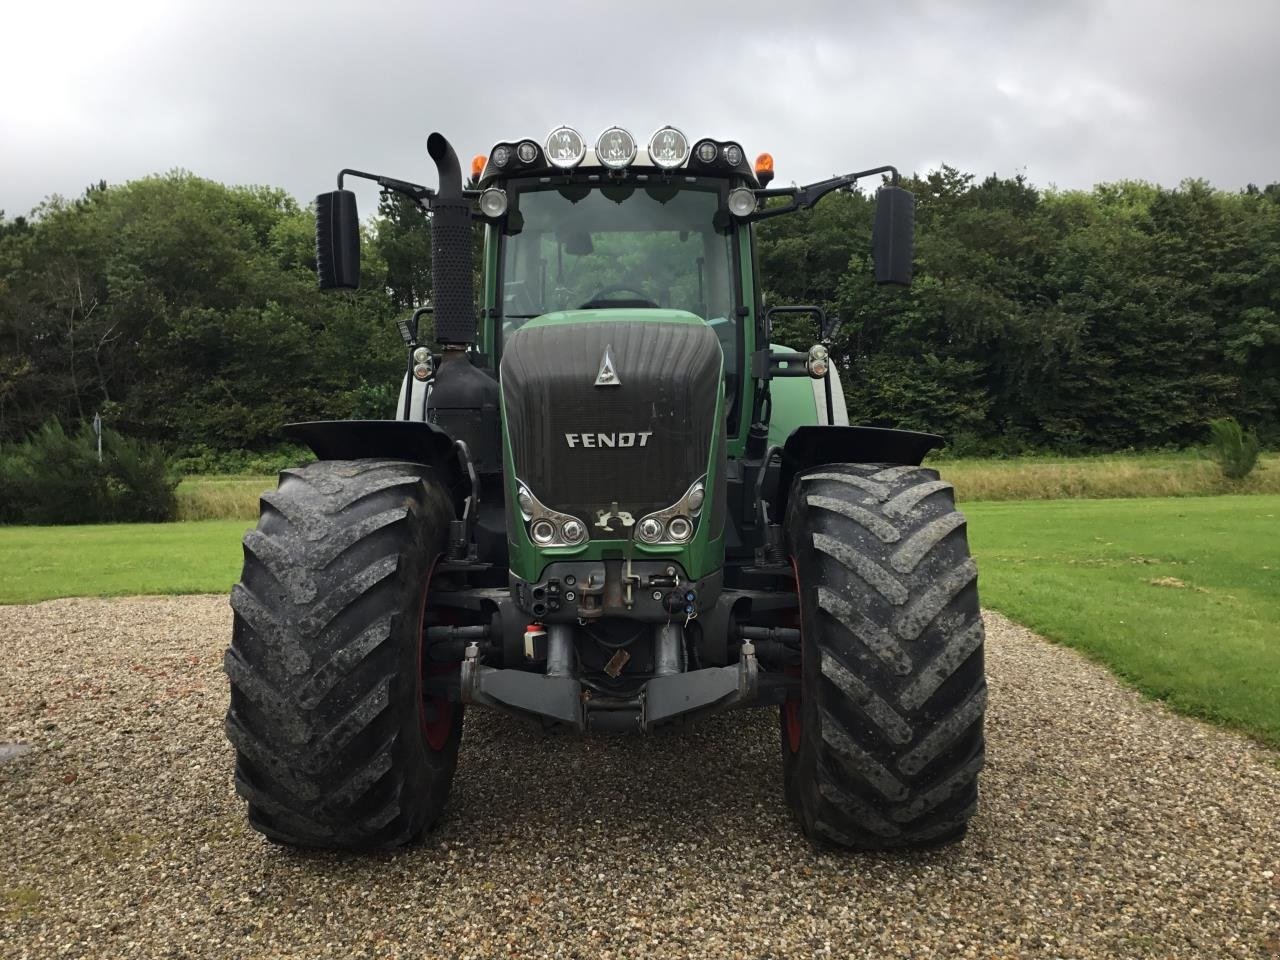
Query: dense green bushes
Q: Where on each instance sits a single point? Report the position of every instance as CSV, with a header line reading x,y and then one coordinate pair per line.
x,y
55,477
1126,317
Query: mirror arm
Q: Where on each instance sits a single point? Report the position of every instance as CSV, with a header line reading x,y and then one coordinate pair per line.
x,y
802,198
414,191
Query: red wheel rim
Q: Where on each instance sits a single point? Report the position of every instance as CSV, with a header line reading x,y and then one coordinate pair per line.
x,y
435,712
791,716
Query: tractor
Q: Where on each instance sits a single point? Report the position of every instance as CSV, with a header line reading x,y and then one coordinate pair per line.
x,y
606,503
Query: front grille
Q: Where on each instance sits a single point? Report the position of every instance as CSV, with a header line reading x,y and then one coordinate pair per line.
x,y
669,374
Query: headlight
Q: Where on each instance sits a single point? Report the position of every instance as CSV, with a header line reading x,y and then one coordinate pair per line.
x,y
493,202
565,147
421,355
573,531
501,155
616,148
732,154
706,151
650,530
542,531
679,529
668,148
742,201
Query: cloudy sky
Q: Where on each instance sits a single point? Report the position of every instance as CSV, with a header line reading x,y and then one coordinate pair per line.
x,y
1070,92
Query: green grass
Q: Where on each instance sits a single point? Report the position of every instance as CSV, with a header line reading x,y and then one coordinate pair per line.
x,y
39,563
1181,597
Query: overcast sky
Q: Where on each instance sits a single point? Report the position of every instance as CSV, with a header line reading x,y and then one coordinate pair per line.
x,y
1071,92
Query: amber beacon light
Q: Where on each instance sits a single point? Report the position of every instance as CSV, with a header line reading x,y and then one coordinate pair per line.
x,y
764,168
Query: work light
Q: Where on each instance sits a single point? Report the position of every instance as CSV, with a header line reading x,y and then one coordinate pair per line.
x,y
501,155
616,148
742,201
668,148
732,154
706,151
493,202
565,147
527,152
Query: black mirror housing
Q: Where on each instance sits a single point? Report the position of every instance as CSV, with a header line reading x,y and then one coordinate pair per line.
x,y
893,237
337,241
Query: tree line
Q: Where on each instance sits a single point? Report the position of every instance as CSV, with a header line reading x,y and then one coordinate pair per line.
x,y
186,312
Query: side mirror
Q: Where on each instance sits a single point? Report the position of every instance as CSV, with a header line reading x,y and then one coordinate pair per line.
x,y
337,241
893,237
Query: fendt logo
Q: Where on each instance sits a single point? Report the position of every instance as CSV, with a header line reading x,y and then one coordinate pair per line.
x,y
597,440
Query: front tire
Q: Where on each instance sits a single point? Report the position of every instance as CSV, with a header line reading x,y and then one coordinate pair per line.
x,y
884,747
335,747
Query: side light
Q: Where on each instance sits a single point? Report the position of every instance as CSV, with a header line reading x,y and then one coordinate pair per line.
x,y
422,371
819,361
565,147
477,165
695,498
742,201
527,152
668,148
493,202
764,168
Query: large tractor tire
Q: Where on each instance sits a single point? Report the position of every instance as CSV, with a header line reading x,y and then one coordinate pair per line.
x,y
336,746
884,746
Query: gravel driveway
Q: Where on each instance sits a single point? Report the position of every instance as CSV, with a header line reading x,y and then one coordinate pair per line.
x,y
1108,827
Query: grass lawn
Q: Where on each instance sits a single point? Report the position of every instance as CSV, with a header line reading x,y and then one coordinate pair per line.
x,y
38,563
1180,596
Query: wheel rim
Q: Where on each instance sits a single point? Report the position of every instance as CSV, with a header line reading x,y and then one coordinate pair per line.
x,y
791,714
435,712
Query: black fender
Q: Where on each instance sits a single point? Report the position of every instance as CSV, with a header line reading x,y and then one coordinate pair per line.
x,y
410,440
813,446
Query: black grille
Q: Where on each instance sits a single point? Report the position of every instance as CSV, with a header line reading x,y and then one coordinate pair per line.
x,y
669,375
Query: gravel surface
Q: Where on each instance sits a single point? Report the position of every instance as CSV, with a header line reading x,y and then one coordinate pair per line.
x,y
1108,827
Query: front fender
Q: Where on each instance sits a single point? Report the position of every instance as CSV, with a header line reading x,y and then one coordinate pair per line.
x,y
812,446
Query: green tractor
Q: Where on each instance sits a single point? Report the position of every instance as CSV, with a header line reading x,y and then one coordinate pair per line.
x,y
606,503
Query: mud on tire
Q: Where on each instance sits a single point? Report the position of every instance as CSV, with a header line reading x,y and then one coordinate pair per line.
x,y
333,745
884,748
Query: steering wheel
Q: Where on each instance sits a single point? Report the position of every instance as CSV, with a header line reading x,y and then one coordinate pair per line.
x,y
598,300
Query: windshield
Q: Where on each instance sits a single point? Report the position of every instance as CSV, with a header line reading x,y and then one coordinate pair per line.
x,y
627,246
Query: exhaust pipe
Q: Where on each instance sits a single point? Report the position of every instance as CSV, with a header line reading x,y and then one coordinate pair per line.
x,y
451,268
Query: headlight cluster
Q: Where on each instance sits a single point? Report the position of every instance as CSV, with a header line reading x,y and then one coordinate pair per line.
x,y
615,148
547,527
675,524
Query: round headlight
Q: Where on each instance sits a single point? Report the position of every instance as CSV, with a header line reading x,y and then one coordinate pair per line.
x,y
706,151
543,531
421,355
527,152
650,530
565,147
696,497
679,529
501,155
733,154
573,531
493,202
616,148
742,201
668,148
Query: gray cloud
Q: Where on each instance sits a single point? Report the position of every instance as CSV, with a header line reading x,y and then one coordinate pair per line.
x,y
1070,93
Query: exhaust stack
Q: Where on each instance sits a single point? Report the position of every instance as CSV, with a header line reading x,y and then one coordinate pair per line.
x,y
451,251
